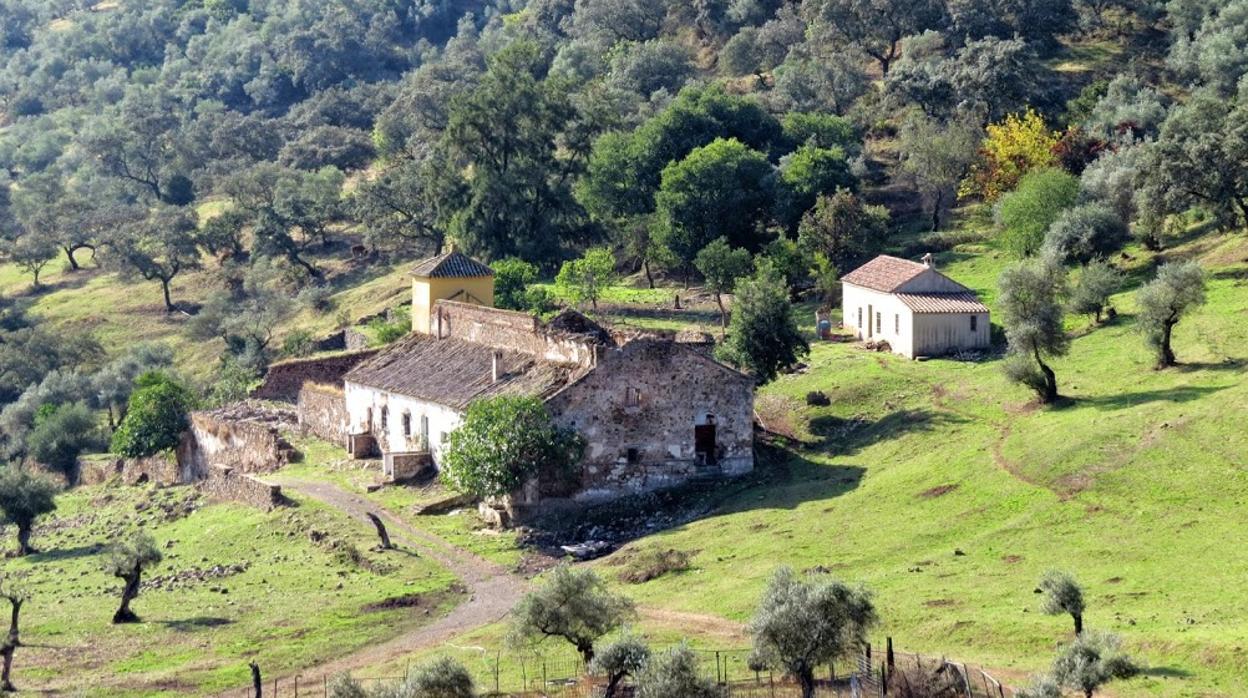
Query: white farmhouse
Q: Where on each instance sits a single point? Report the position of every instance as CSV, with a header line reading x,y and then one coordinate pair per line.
x,y
915,309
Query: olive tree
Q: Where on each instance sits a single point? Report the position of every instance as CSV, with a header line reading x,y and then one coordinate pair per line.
x,y
440,678
16,594
504,441
1162,302
586,278
25,497
1091,661
801,624
127,558
675,673
1085,232
1097,282
1032,311
573,605
1062,595
618,660
1040,687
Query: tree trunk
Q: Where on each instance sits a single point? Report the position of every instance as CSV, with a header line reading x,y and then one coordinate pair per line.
x,y
613,684
381,531
1078,623
256,683
73,263
940,200
586,649
645,266
164,287
1167,354
1050,381
723,315
131,590
806,678
313,271
23,540
10,646
36,284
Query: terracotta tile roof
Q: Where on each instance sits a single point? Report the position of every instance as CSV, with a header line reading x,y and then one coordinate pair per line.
x,y
454,372
884,273
451,264
943,302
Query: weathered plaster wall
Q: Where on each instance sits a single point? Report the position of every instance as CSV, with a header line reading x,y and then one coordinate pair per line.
x,y
285,378
364,409
322,411
647,441
242,437
895,319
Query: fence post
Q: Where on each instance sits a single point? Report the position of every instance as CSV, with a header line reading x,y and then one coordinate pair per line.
x,y
544,676
889,654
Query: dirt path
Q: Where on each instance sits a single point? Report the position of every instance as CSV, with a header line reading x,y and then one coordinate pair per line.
x,y
492,589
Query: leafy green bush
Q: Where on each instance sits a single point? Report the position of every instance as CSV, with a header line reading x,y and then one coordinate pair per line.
x,y
1026,213
60,434
155,418
504,441
386,331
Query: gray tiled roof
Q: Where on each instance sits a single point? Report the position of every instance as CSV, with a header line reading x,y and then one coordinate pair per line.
x,y
451,264
943,302
454,372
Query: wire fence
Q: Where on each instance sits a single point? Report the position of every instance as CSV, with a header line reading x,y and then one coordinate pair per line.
x,y
890,673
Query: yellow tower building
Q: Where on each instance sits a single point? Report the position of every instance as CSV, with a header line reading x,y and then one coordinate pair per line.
x,y
449,276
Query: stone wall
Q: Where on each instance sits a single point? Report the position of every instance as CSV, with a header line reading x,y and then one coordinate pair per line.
x,y
162,469
322,412
244,436
285,378
224,483
638,413
512,329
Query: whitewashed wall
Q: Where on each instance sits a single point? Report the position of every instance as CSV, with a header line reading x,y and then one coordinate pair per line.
x,y
944,333
362,399
895,325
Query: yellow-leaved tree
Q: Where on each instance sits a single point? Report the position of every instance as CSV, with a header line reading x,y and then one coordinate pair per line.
x,y
1011,148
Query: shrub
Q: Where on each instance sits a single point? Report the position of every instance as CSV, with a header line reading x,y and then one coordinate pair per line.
x,y
298,343
1026,213
1085,232
653,563
60,435
156,417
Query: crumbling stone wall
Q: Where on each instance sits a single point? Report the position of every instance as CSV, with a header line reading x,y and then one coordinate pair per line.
x,y
244,436
285,378
512,329
322,411
161,469
224,483
638,412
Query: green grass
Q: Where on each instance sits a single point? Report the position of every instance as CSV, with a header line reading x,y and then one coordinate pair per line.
x,y
297,602
1136,484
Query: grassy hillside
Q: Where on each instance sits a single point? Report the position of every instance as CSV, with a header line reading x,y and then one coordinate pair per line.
x,y
292,599
1136,484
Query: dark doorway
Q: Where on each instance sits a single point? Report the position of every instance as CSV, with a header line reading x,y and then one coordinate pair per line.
x,y
704,443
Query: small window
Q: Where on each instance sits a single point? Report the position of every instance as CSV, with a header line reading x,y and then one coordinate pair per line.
x,y
632,397
974,323
442,437
897,324
879,323
407,423
860,318
385,417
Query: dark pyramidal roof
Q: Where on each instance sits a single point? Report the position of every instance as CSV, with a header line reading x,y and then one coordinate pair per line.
x,y
451,264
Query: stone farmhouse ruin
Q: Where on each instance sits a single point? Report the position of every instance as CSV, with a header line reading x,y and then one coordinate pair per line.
x,y
654,411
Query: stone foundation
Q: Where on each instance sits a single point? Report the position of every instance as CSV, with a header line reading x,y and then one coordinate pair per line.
x,y
223,483
405,466
244,436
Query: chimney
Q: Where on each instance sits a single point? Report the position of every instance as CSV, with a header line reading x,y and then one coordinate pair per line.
x,y
497,367
927,260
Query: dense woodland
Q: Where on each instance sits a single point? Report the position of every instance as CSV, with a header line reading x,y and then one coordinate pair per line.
x,y
695,140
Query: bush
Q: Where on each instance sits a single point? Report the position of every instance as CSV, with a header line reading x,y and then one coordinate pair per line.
x,y
1026,213
1085,232
653,563
390,330
60,435
298,343
156,417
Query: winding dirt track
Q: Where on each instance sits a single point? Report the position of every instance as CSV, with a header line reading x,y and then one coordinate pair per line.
x,y
492,590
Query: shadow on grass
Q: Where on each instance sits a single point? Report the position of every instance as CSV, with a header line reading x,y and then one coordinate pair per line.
x,y
1144,397
848,436
61,554
190,625
1166,672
